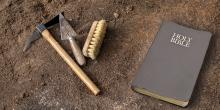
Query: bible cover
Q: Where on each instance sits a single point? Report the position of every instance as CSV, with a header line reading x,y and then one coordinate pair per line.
x,y
172,64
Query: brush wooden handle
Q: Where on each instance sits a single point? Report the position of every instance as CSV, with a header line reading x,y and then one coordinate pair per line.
x,y
79,72
77,52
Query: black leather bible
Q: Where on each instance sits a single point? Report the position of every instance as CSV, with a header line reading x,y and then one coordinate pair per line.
x,y
172,64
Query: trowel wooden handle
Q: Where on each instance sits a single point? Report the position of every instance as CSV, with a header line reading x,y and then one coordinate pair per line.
x,y
77,52
79,72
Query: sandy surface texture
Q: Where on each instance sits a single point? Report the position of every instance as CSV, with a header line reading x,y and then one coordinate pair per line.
x,y
40,79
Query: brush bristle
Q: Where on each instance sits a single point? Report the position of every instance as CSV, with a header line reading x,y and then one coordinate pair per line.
x,y
92,50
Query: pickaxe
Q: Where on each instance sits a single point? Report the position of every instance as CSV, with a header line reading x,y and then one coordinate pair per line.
x,y
41,30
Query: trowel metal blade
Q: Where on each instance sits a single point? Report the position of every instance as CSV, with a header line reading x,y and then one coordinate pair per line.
x,y
66,29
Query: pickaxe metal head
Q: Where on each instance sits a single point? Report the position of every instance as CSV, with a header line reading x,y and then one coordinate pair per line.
x,y
37,32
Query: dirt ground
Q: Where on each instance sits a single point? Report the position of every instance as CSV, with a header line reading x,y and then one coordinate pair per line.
x,y
40,79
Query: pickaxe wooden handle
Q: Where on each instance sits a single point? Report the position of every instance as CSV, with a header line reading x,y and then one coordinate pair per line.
x,y
79,72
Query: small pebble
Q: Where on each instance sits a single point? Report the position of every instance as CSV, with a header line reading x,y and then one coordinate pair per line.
x,y
63,1
43,84
129,8
116,15
24,95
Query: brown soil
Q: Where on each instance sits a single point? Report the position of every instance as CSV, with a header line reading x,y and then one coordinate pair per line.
x,y
40,79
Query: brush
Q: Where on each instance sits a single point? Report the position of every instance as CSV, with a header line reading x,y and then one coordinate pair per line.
x,y
95,38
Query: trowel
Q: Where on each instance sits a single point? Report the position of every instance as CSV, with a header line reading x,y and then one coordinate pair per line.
x,y
68,33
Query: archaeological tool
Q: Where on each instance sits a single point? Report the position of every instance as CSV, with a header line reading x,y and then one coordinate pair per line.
x,y
95,38
67,33
41,30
